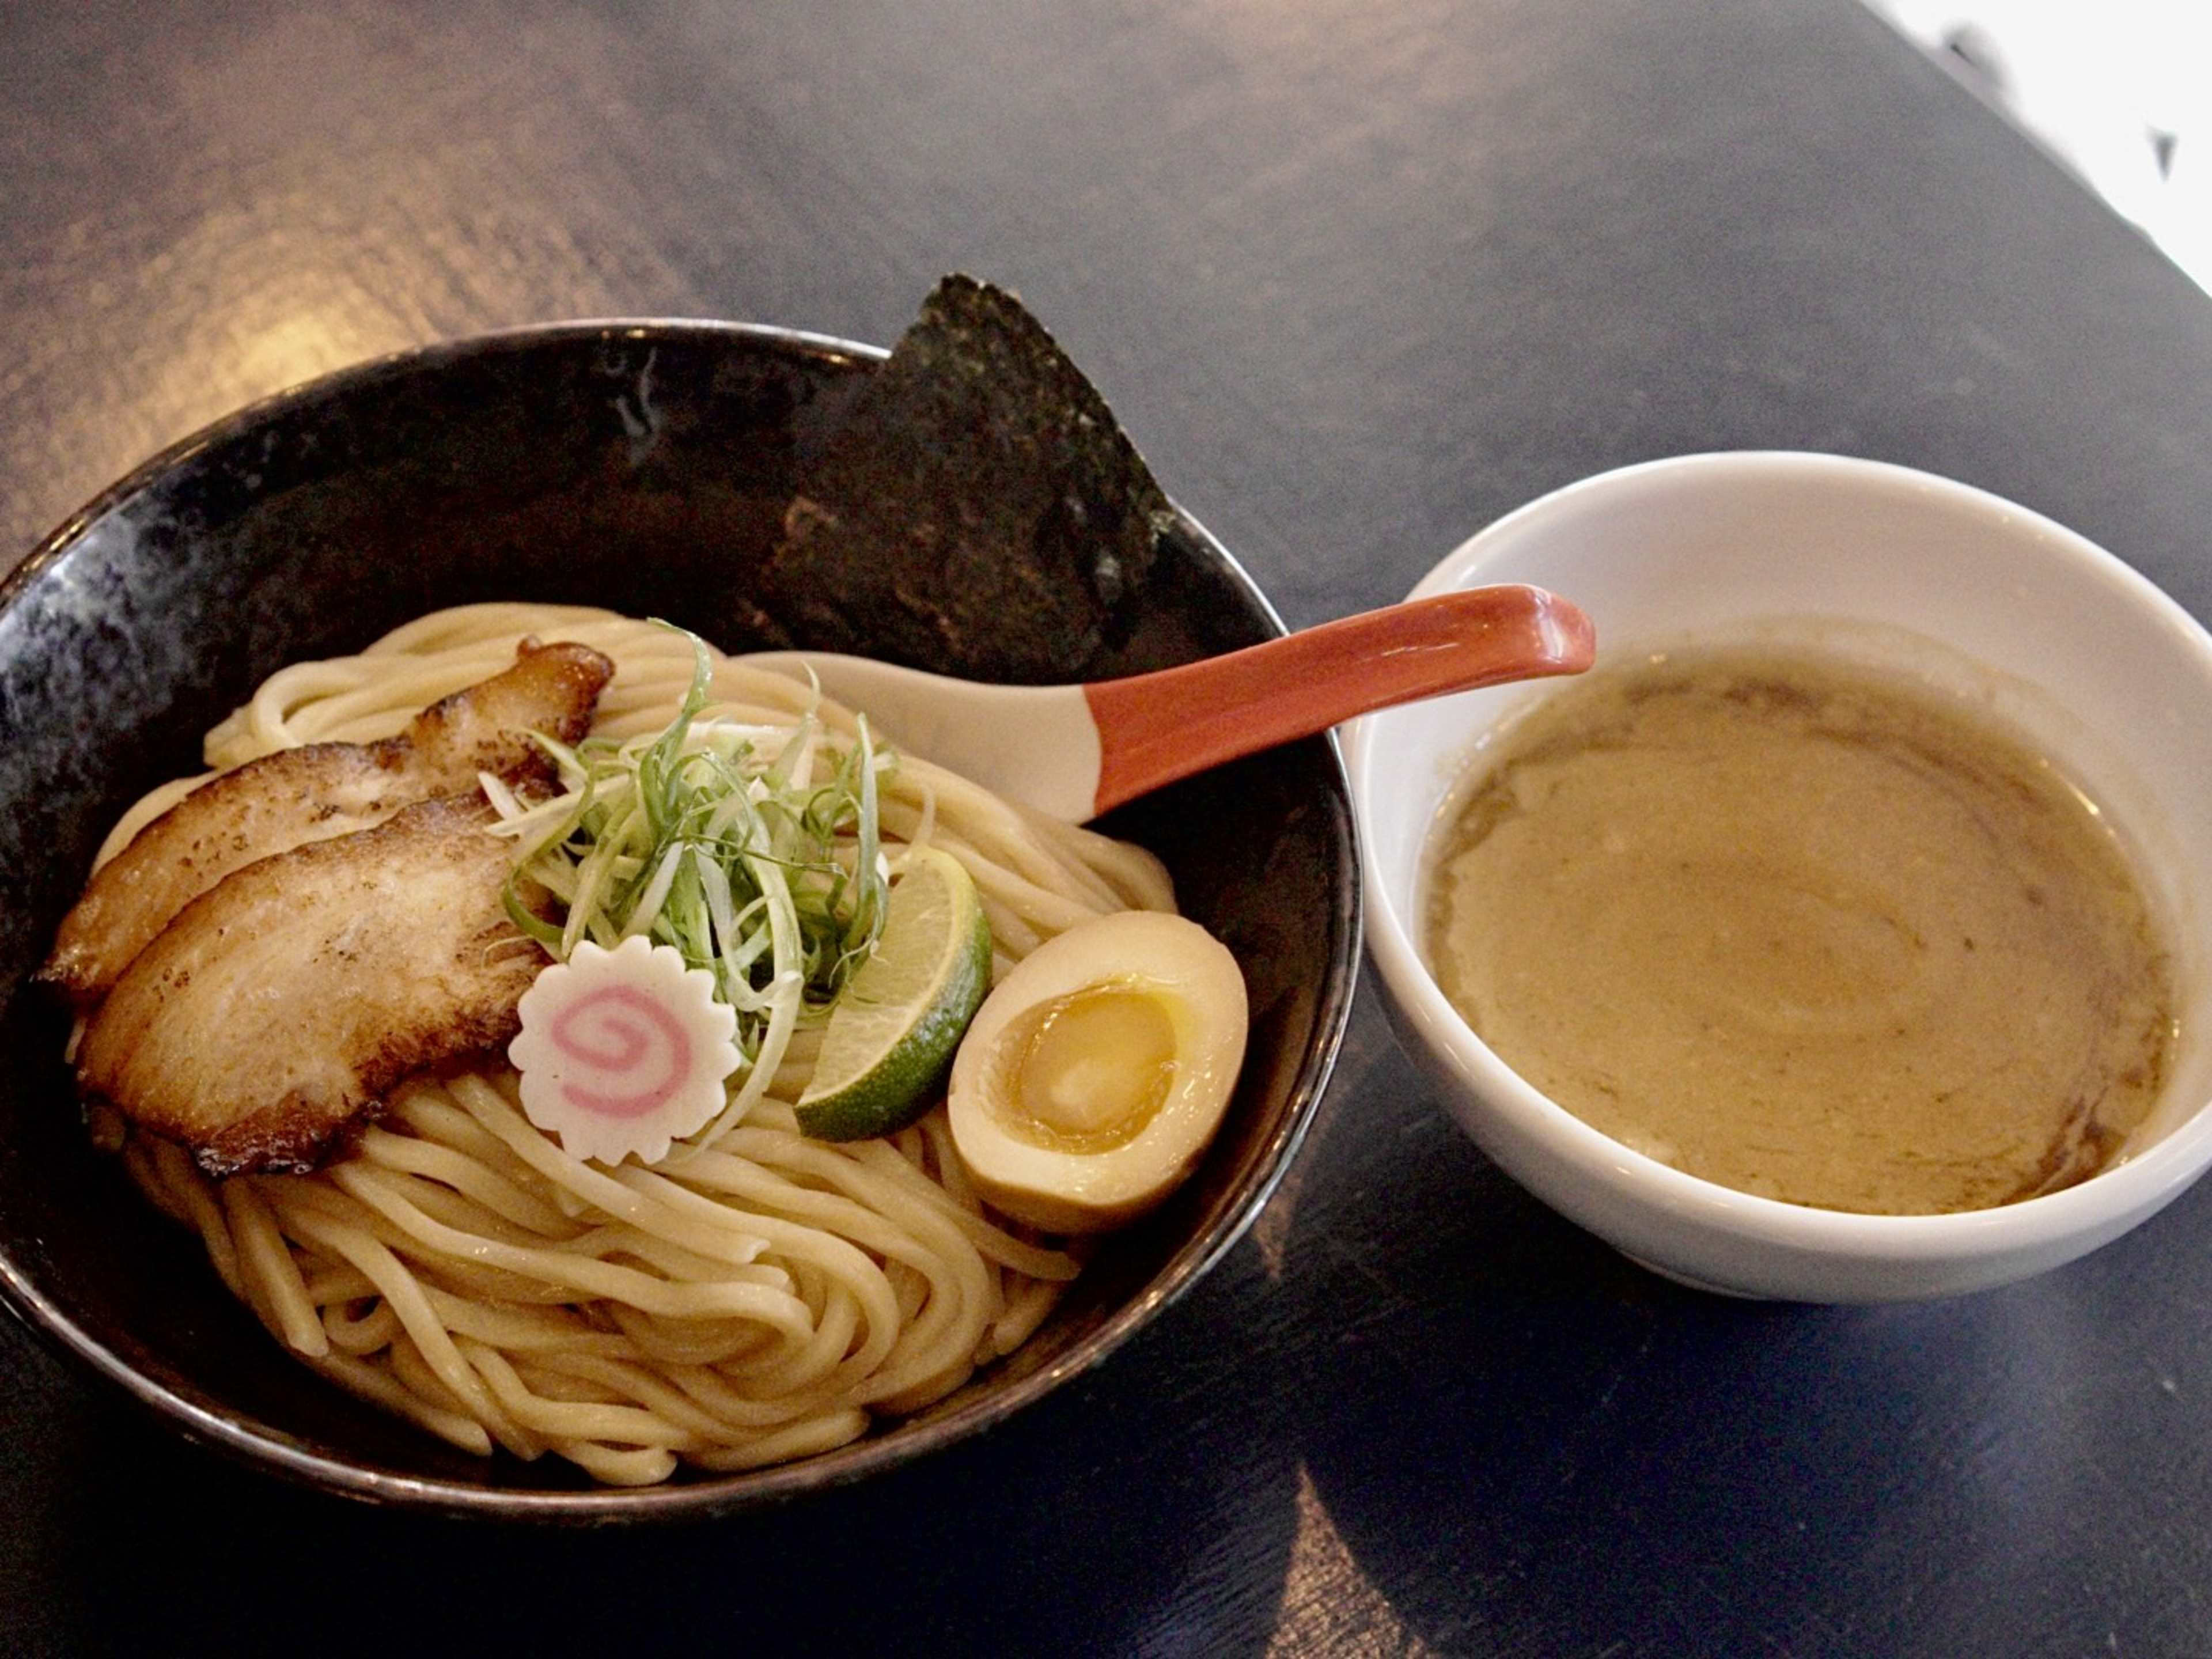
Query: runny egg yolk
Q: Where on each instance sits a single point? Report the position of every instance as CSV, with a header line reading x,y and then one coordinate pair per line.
x,y
1093,1069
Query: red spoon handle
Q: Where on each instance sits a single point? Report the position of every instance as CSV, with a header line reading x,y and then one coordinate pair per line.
x,y
1155,728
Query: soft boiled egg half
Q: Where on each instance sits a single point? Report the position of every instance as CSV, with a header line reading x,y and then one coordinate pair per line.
x,y
1097,1070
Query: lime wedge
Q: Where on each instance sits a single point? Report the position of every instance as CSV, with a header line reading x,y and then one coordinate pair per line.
x,y
891,1035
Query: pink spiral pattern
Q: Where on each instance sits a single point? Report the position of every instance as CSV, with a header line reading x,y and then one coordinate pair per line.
x,y
635,1052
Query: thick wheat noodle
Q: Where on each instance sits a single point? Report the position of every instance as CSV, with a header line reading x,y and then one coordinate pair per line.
x,y
410,1367
857,1278
798,1224
582,1276
620,1469
815,1369
929,1144
655,1393
523,1330
558,1419
432,1117
456,1209
267,1268
491,1107
1045,912
678,1265
469,1177
749,1299
708,1415
805,1439
710,1386
331,1282
1025,844
1027,1306
805,1212
403,1293
993,1244
870,1171
368,1332
680,1342
1011,937
905,819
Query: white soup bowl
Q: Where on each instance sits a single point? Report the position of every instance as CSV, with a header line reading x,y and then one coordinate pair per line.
x,y
1955,588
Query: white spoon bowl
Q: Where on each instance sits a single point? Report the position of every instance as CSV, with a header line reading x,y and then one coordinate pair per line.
x,y
1074,751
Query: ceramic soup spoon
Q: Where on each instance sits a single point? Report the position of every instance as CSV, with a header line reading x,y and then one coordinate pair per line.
x,y
1074,751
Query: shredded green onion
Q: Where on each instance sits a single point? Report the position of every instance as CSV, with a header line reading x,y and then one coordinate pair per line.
x,y
753,850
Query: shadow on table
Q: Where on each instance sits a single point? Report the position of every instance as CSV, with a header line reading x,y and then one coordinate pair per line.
x,y
1529,1446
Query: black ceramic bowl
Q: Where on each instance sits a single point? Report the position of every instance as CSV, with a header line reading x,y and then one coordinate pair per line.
x,y
525,466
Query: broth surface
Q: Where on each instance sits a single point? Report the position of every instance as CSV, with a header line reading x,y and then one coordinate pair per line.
x,y
1805,931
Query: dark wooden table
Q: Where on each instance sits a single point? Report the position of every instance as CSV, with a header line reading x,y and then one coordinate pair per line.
x,y
1357,278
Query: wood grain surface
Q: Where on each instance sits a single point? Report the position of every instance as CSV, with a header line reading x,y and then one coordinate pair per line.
x,y
1357,278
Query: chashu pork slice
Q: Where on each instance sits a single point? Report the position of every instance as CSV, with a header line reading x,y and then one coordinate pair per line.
x,y
273,1015
317,792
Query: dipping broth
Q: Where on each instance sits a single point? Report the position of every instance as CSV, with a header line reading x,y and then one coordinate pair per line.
x,y
1806,931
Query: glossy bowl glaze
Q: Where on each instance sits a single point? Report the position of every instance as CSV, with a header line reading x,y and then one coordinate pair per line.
x,y
1972,595
642,466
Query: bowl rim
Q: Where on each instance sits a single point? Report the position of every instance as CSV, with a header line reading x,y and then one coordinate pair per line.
x,y
247,1439
2129,1190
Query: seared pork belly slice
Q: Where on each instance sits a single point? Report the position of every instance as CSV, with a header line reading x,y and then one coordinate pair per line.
x,y
319,793
272,1016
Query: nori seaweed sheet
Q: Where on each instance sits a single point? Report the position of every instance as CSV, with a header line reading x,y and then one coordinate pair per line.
x,y
980,511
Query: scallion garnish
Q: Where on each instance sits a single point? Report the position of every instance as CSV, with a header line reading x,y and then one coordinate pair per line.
x,y
753,850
